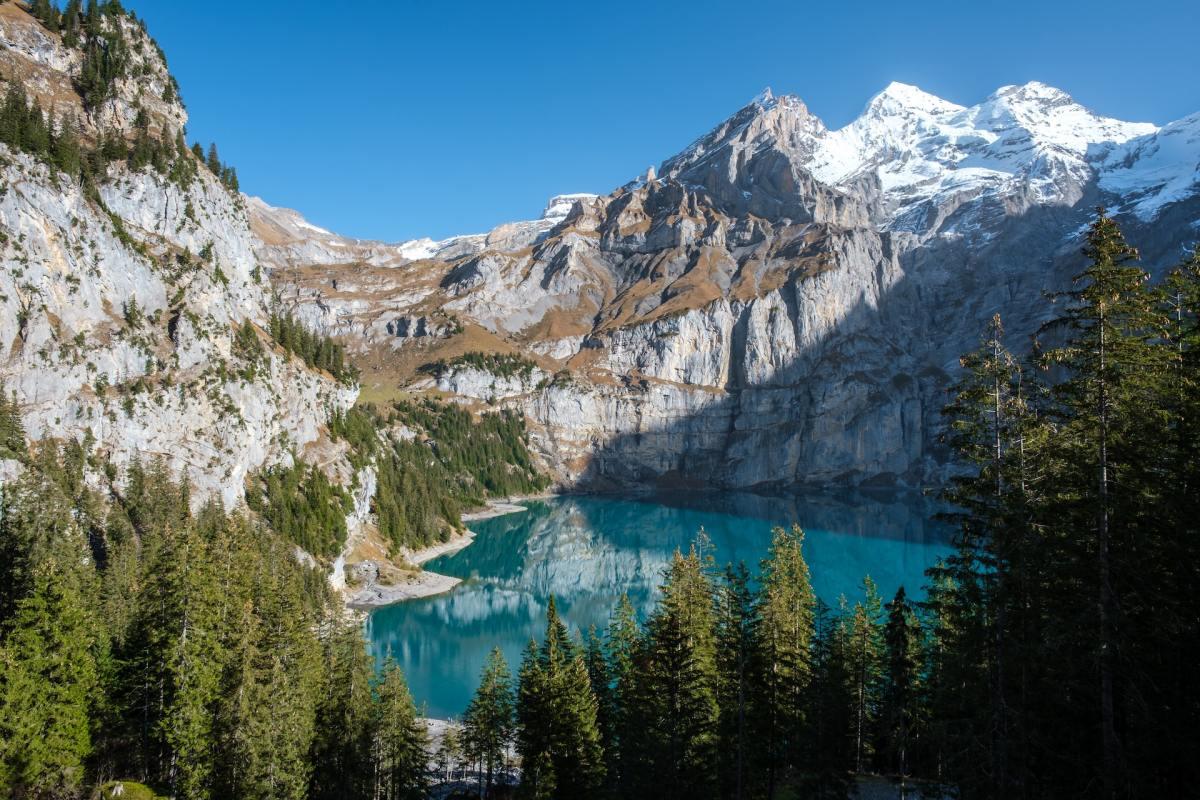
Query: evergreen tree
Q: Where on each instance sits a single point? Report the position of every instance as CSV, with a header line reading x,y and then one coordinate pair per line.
x,y
266,720
68,156
737,623
172,664
449,754
71,22
1112,355
37,523
866,670
828,707
678,682
46,13
12,429
533,727
900,712
784,670
987,592
342,749
623,648
557,734
600,678
401,749
489,719
48,676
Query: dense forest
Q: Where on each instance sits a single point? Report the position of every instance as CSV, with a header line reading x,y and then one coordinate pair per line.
x,y
1053,656
434,460
190,653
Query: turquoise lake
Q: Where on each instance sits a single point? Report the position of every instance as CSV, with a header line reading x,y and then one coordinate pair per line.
x,y
587,550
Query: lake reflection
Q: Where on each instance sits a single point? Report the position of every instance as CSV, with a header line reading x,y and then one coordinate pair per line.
x,y
586,551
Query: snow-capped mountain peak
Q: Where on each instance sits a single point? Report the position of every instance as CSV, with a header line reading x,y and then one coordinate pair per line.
x,y
559,206
899,99
1155,170
765,98
1051,117
1025,143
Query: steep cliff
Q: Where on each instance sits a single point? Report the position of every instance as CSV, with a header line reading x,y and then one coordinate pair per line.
x,y
123,288
777,304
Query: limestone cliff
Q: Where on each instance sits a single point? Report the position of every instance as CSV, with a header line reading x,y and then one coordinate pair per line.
x,y
779,303
121,296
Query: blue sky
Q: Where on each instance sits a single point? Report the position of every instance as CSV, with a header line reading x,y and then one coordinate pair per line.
x,y
394,120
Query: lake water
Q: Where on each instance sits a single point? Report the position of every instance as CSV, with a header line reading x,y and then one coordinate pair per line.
x,y
587,550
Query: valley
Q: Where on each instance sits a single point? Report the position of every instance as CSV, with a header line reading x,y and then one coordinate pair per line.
x,y
811,458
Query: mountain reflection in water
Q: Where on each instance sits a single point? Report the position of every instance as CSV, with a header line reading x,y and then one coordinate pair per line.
x,y
587,550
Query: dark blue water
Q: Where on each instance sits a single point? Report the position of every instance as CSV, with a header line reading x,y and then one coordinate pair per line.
x,y
586,551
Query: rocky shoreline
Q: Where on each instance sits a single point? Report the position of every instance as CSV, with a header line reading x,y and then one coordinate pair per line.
x,y
423,583
420,584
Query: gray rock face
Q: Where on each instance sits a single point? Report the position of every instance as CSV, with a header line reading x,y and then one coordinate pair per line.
x,y
168,382
781,303
115,326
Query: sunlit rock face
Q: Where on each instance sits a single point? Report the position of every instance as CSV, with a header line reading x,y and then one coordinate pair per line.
x,y
118,312
165,385
779,303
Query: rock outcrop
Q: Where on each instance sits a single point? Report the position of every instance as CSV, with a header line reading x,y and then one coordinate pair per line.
x,y
120,301
779,303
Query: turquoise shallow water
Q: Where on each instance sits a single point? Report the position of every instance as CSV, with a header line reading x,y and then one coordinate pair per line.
x,y
587,550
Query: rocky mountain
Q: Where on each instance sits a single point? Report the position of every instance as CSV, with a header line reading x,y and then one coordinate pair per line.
x,y
124,287
777,304
290,240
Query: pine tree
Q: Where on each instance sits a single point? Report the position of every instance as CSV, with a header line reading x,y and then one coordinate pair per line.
x,y
991,596
48,676
449,753
342,749
401,748
1167,643
600,678
37,524
197,663
534,726
899,715
578,753
68,155
623,648
785,632
678,682
866,670
489,720
173,666
1112,355
737,623
12,430
557,732
72,15
828,707
266,720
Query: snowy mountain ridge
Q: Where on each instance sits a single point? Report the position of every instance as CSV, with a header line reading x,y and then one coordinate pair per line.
x,y
1032,142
